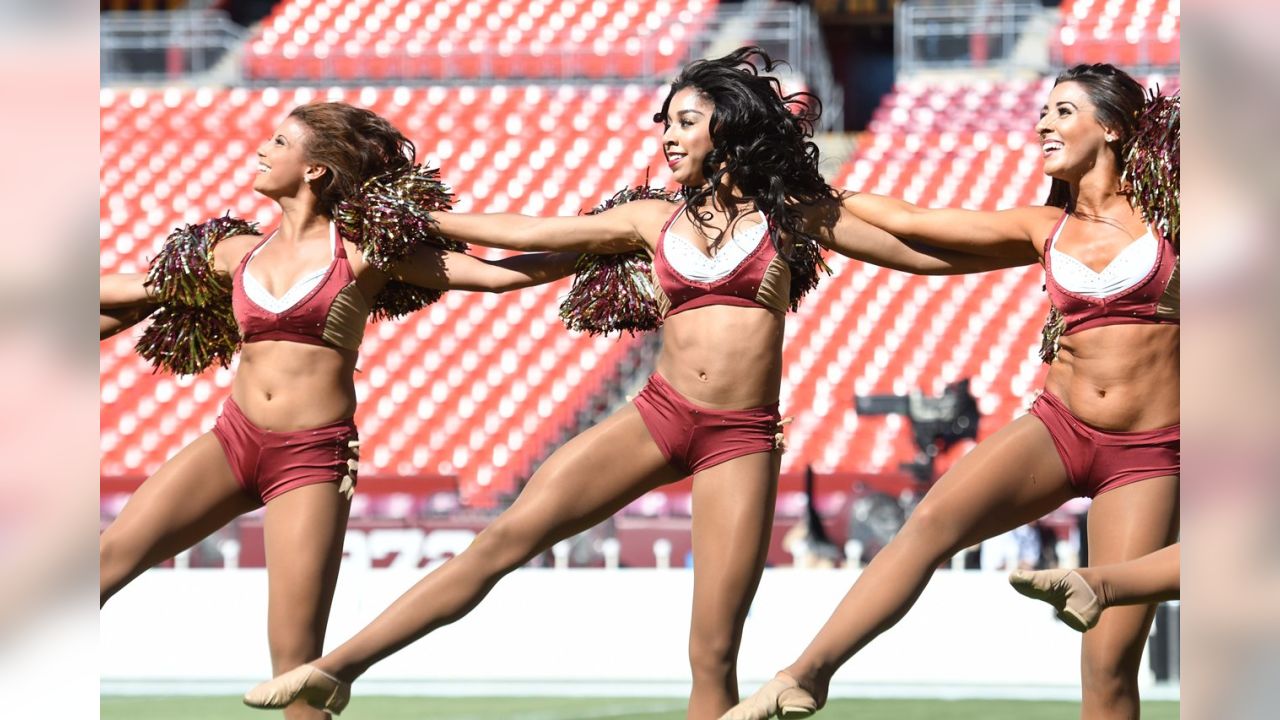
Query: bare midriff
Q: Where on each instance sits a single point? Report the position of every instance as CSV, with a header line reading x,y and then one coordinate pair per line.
x,y
724,356
284,386
1119,377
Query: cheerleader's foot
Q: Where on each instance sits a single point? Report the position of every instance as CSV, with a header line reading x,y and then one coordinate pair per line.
x,y
780,697
308,683
1077,604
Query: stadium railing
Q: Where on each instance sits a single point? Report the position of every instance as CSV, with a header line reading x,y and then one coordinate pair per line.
x,y
142,46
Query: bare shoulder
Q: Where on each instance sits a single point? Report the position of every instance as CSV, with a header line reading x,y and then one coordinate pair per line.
x,y
647,217
1038,221
238,245
1040,214
649,211
228,253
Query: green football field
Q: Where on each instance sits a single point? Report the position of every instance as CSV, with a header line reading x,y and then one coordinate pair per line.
x,y
399,708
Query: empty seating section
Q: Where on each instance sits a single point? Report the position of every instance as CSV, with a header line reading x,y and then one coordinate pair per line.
x,y
476,385
955,111
923,106
1128,33
375,40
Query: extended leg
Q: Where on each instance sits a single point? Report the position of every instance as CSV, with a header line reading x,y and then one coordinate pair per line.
x,y
303,532
732,516
1010,479
590,478
1124,524
189,497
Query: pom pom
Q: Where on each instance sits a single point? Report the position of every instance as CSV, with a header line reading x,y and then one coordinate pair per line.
x,y
615,292
187,341
182,273
1152,163
612,293
389,219
193,328
398,299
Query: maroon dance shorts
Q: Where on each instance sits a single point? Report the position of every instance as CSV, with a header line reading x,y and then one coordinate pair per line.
x,y
268,463
1101,460
694,438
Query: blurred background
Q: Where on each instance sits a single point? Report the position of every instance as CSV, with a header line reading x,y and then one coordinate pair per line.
x,y
545,107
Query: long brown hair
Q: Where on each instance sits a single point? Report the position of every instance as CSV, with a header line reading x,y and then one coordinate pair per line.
x,y
353,144
1117,99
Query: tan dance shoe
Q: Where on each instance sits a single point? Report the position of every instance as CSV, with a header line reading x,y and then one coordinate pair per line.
x,y
316,687
781,697
1078,606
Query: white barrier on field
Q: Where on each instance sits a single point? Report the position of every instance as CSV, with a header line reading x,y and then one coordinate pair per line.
x,y
593,632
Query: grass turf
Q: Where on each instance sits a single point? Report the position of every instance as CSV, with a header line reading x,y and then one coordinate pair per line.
x,y
421,708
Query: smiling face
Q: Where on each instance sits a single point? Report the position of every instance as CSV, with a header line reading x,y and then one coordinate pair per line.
x,y
282,162
686,142
1072,140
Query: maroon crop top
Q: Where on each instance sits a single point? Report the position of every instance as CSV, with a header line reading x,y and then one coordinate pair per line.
x,y
1154,300
747,272
333,313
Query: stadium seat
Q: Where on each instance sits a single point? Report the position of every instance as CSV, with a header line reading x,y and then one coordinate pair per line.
x,y
403,39
1133,34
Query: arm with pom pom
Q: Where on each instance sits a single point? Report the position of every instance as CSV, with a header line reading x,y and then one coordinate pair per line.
x,y
610,293
193,327
613,293
390,219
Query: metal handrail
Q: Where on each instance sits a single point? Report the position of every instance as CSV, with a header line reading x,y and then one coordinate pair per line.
x,y
164,45
168,45
977,34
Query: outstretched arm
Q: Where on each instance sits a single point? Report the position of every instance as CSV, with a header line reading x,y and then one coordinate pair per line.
x,y
614,231
844,232
128,290
113,321
123,301
446,270
1004,234
125,290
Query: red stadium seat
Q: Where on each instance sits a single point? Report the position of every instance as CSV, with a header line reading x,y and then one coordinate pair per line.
x,y
472,36
1128,33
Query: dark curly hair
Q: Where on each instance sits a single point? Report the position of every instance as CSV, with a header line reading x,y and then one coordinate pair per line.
x,y
760,138
1117,99
353,144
